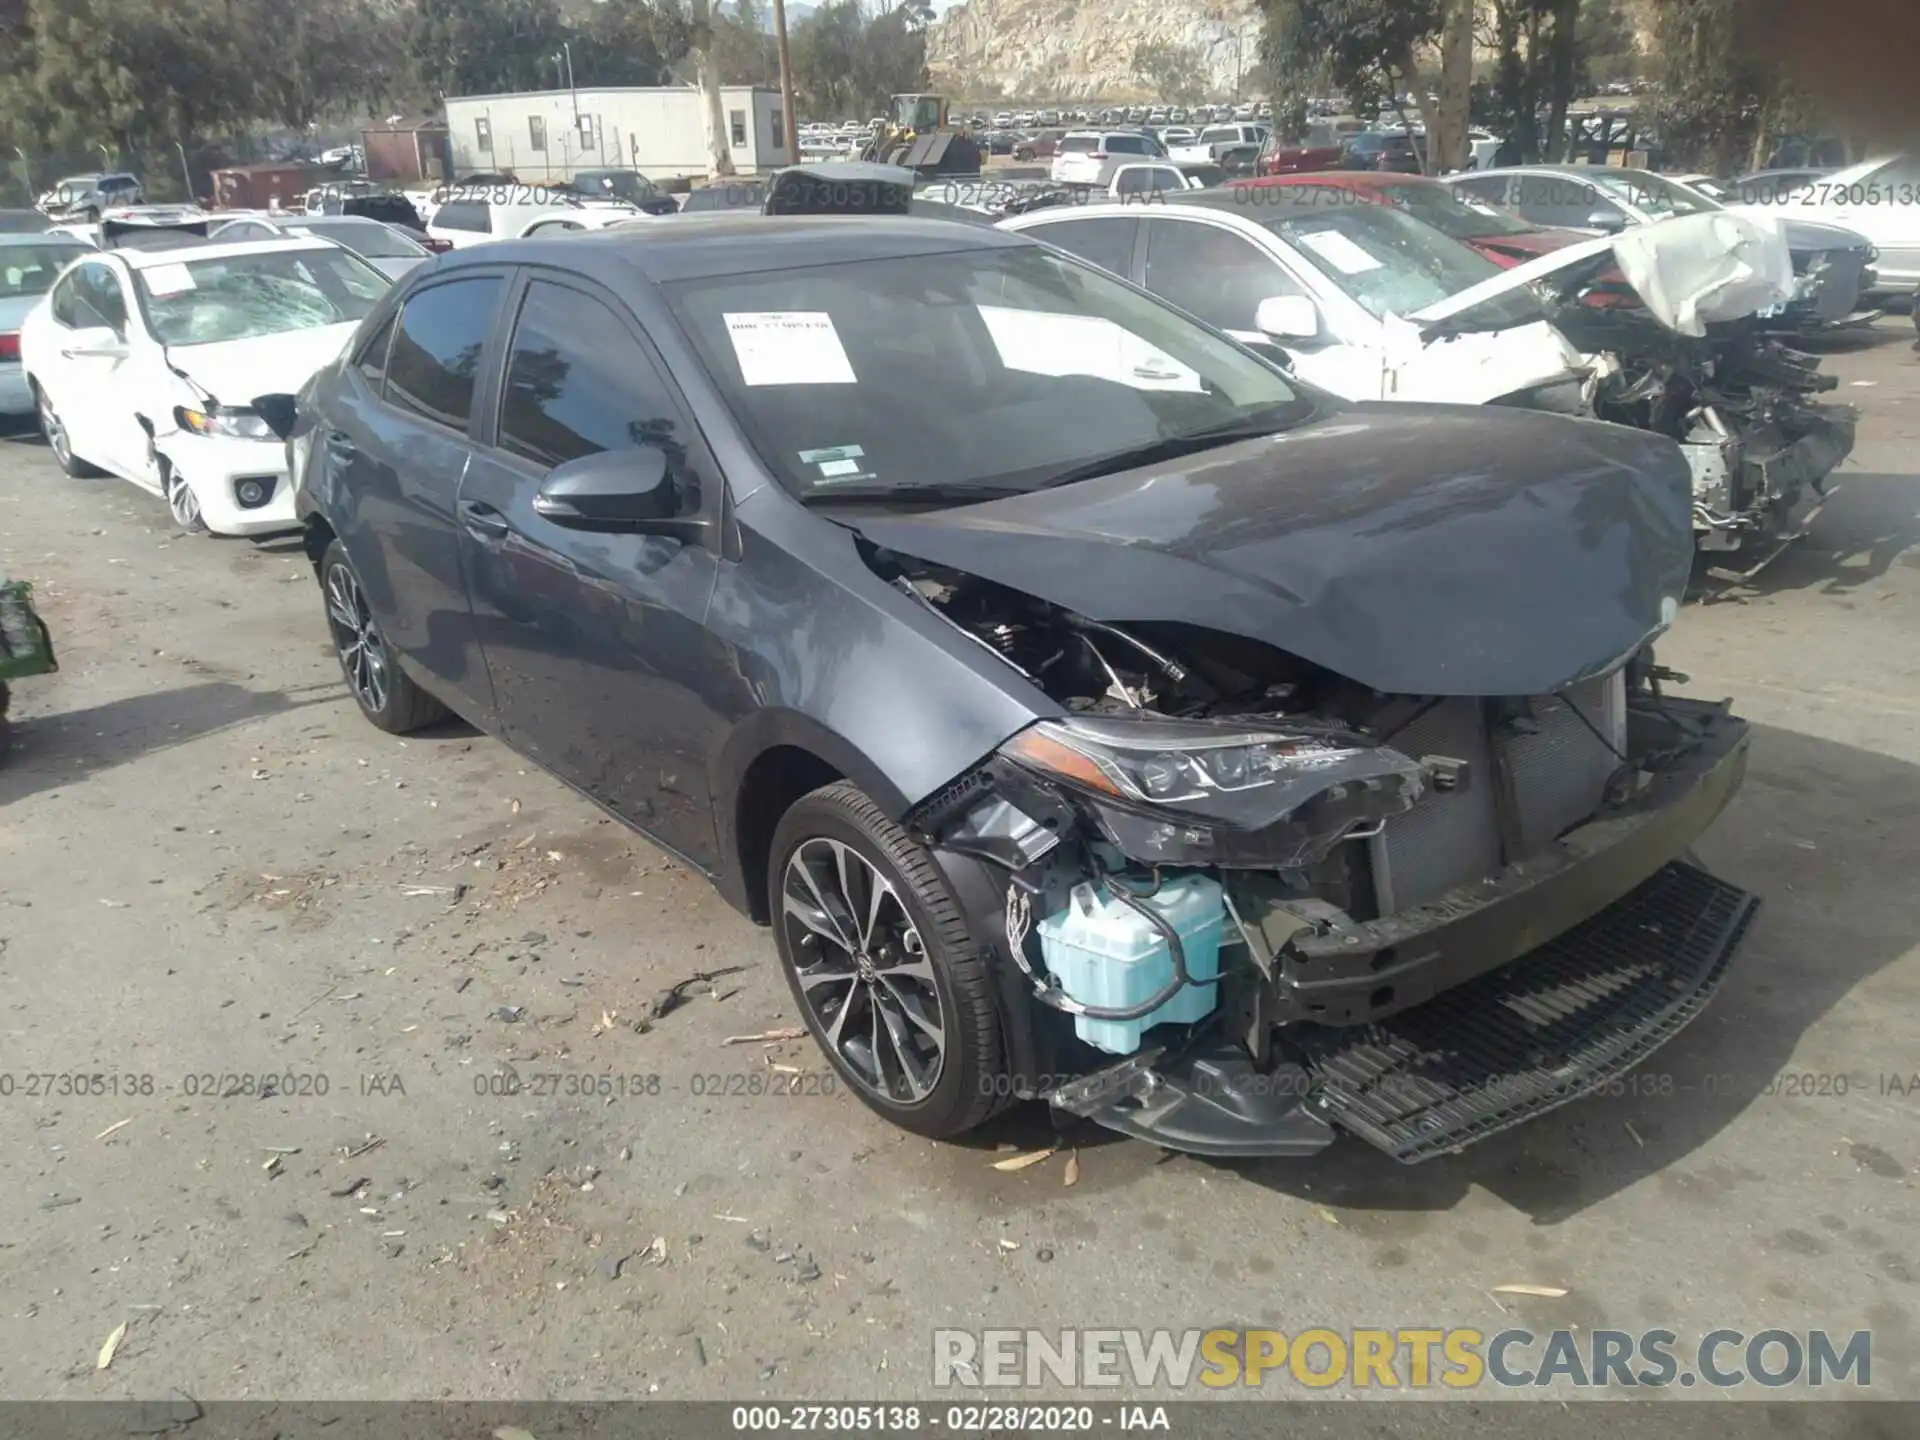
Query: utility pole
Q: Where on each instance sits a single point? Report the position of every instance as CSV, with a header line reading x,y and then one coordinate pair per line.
x,y
786,79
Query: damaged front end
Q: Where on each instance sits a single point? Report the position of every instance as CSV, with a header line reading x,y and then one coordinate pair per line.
x,y
1741,403
1244,902
1681,324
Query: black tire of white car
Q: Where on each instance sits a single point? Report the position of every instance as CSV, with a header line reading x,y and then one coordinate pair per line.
x,y
54,431
182,503
395,705
972,1083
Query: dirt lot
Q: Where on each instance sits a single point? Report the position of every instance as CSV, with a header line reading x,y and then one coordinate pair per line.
x,y
212,870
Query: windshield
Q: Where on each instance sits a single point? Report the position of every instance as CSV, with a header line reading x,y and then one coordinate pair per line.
x,y
1654,195
243,297
981,371
27,270
1450,213
366,238
1383,258
625,184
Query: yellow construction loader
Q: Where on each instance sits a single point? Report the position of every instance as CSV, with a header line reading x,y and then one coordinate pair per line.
x,y
919,134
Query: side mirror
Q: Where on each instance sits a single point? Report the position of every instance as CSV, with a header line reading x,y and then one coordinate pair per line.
x,y
1288,317
96,343
278,411
619,491
1611,221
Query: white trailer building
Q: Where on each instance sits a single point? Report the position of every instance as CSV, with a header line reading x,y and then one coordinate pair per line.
x,y
550,134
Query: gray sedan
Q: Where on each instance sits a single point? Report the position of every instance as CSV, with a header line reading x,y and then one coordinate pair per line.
x,y
1047,670
387,248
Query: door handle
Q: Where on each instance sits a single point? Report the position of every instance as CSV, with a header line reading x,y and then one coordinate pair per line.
x,y
482,521
340,447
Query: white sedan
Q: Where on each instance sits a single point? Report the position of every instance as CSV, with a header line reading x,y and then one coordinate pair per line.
x,y
1342,291
145,363
513,212
1880,199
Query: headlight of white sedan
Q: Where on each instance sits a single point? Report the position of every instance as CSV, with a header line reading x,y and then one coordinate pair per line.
x,y
240,424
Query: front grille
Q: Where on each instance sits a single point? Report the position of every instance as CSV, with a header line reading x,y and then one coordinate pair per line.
x,y
1558,1024
1559,766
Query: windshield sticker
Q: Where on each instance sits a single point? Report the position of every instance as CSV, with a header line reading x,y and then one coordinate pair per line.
x,y
165,280
789,347
837,452
1340,252
1040,342
838,469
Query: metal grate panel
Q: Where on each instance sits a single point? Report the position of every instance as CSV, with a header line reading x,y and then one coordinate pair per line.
x,y
1449,838
1553,1026
1560,771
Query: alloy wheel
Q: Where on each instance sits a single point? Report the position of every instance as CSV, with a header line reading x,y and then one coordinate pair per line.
x,y
864,970
363,655
183,504
55,432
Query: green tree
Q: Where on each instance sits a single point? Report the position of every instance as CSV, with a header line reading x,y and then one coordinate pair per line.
x,y
1369,49
1537,68
1721,101
846,65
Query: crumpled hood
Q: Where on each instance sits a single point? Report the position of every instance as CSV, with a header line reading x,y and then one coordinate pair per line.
x,y
1690,271
1417,549
234,371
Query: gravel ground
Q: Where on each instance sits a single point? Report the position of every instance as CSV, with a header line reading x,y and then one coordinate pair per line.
x,y
211,870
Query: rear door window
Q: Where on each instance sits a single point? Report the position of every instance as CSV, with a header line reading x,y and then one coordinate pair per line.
x,y
435,358
1560,200
1492,190
1212,273
1106,242
463,215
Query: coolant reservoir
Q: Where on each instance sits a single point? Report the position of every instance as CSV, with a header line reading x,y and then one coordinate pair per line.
x,y
1105,953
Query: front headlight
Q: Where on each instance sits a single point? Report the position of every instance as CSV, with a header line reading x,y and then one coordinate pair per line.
x,y
1275,795
230,424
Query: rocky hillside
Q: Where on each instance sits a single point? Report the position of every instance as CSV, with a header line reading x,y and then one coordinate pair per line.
x,y
1084,49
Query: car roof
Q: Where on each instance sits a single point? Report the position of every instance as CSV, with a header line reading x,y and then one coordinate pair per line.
x,y
719,243
220,250
1336,179
43,237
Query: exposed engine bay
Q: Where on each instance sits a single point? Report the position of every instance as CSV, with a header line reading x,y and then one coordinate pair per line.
x,y
1739,400
1228,874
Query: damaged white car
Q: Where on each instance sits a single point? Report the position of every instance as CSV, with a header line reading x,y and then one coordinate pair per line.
x,y
142,362
1658,328
1670,315
1338,288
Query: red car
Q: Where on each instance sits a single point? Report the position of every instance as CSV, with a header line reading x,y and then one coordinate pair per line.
x,y
1319,149
1504,239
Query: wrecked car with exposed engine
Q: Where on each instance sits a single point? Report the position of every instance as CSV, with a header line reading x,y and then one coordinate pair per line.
x,y
1674,318
1095,713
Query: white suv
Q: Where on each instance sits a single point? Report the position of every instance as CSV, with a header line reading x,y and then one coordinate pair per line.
x,y
1090,157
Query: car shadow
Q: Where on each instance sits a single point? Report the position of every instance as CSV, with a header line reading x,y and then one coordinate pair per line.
x,y
56,750
1803,835
1871,523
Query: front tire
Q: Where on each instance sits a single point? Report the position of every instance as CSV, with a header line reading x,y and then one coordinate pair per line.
x,y
384,692
183,504
893,988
